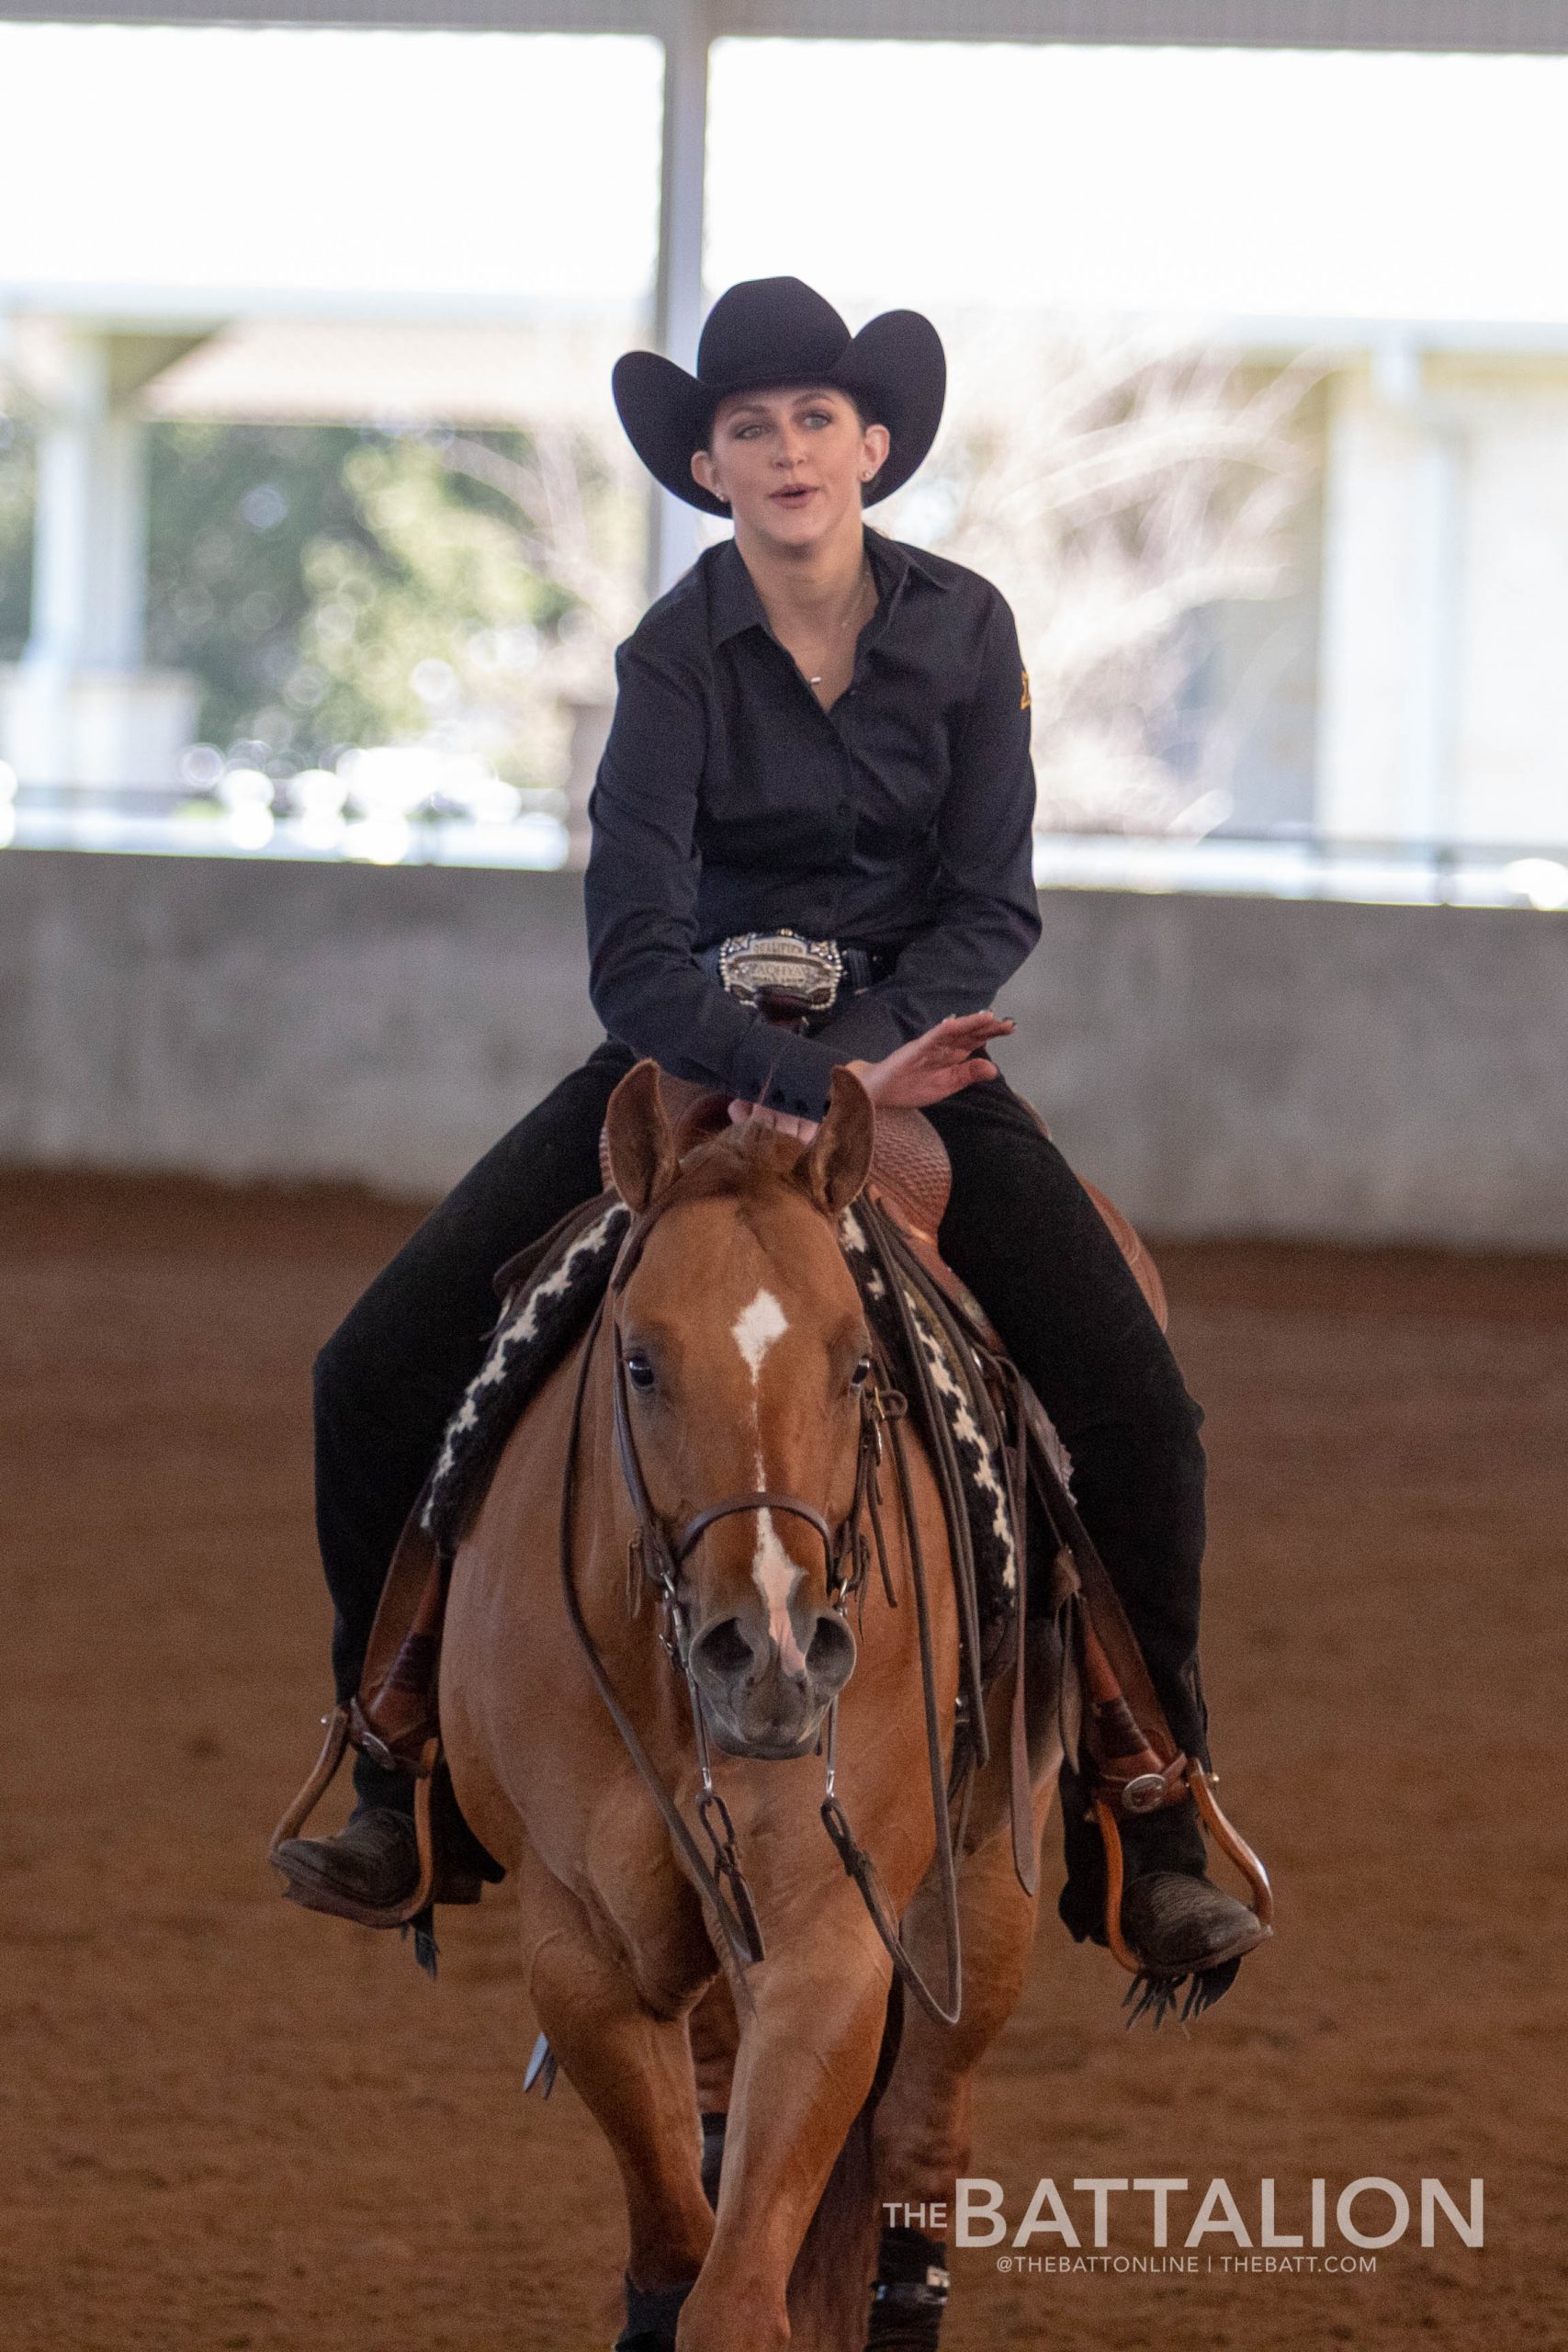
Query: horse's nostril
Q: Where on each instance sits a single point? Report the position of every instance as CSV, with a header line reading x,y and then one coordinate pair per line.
x,y
830,1659
724,1651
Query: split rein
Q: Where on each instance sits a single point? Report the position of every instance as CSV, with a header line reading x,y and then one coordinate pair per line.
x,y
657,1556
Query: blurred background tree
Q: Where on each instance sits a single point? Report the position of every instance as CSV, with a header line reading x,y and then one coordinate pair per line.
x,y
1127,492
334,586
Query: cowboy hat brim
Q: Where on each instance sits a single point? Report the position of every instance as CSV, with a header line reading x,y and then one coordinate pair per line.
x,y
896,367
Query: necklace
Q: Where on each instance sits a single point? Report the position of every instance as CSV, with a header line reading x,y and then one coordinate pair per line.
x,y
865,580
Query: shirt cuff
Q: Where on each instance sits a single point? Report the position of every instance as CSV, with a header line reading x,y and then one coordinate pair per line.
x,y
786,1072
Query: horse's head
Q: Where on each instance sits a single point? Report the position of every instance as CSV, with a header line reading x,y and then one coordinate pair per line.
x,y
745,1353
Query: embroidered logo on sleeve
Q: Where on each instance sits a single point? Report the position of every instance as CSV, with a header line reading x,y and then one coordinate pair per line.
x,y
1023,703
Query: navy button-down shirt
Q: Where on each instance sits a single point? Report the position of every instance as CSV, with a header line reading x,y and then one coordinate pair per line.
x,y
728,800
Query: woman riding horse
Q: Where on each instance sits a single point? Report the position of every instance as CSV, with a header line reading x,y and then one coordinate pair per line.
x,y
823,732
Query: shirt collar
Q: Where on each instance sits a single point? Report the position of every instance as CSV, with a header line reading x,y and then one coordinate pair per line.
x,y
734,604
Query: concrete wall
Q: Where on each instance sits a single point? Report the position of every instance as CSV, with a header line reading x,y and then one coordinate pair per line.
x,y
1224,1066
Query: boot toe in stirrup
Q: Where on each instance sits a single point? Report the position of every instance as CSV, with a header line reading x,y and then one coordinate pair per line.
x,y
1177,1923
372,1865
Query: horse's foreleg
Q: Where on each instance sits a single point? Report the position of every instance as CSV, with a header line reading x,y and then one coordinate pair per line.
x,y
633,2069
716,2038
923,2124
810,2032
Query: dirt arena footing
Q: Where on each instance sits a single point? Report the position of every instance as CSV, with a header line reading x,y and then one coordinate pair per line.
x,y
229,2123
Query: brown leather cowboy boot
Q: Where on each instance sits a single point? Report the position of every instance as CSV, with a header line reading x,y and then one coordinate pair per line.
x,y
371,1864
1175,1918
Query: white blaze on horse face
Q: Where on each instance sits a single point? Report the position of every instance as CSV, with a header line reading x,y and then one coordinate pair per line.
x,y
756,1328
774,1573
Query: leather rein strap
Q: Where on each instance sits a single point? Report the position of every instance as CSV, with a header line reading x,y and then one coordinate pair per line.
x,y
736,1912
722,1881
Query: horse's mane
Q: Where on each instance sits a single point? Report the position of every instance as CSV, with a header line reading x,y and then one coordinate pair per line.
x,y
751,1167
742,1160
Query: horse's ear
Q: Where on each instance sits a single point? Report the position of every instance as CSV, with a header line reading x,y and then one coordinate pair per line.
x,y
642,1150
837,1163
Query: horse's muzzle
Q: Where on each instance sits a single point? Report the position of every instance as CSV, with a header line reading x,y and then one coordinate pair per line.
x,y
755,1705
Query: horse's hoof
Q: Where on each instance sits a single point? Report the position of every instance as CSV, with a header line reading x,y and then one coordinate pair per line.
x,y
371,1865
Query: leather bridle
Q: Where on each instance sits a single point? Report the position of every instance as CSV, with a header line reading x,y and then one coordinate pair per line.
x,y
657,1556
663,1555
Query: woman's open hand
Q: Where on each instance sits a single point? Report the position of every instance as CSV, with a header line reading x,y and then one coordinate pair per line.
x,y
945,1060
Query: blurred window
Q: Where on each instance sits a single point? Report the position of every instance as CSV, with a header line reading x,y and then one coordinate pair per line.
x,y
1258,414
329,380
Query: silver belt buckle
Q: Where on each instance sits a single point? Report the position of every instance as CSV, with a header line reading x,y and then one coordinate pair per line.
x,y
810,972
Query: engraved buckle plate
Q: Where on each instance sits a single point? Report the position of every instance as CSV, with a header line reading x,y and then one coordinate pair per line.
x,y
757,962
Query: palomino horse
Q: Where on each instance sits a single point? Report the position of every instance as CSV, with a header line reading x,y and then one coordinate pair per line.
x,y
745,1352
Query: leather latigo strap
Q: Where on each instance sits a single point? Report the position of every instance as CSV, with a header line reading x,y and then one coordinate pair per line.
x,y
1135,1761
393,1716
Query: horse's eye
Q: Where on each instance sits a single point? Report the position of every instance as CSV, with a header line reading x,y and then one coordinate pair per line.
x,y
860,1374
639,1371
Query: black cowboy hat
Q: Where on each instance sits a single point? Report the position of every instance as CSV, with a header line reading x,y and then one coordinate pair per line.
x,y
769,331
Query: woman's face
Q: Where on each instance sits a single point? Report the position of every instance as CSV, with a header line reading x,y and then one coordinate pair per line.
x,y
790,463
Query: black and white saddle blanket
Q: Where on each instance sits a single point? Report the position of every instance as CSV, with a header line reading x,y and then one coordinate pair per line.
x,y
552,1307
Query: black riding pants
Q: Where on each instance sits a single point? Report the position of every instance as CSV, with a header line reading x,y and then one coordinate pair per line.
x,y
1020,1229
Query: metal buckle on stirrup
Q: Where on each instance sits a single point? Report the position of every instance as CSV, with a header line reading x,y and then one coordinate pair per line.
x,y
1146,1793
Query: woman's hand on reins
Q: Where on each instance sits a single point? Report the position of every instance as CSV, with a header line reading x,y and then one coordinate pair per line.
x,y
783,1123
929,1069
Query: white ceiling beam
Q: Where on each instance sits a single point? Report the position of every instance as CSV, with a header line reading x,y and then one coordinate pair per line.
x,y
1517,26
677,303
